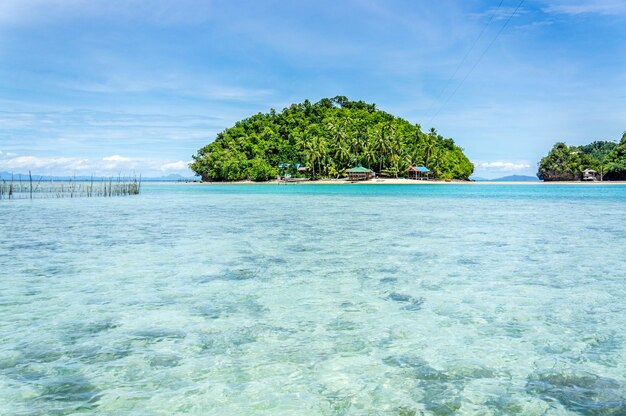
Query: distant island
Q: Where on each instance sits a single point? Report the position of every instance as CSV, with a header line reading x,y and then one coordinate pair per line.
x,y
600,160
325,140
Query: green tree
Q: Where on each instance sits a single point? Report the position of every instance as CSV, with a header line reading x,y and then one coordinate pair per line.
x,y
564,163
616,161
261,170
329,136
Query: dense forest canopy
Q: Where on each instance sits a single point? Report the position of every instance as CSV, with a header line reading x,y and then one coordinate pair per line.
x,y
566,163
328,137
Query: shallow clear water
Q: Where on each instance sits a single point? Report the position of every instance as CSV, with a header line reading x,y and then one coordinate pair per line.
x,y
298,299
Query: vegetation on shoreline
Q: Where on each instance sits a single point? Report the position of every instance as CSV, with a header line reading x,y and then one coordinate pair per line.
x,y
328,137
567,163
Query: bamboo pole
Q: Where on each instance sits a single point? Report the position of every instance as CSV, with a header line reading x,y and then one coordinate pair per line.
x,y
30,187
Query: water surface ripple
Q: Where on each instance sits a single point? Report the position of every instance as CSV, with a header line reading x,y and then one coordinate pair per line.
x,y
320,300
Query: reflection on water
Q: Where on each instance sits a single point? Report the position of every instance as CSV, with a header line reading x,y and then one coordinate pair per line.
x,y
399,300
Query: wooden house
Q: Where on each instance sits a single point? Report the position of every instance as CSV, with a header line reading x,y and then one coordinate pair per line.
x,y
590,175
360,173
418,172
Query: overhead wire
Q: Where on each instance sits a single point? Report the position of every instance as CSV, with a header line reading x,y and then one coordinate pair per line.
x,y
458,67
506,23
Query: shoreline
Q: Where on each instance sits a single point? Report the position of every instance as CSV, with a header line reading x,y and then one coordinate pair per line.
x,y
403,181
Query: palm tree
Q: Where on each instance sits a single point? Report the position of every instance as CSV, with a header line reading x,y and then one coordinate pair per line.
x,y
335,131
340,141
359,141
342,152
434,162
314,147
321,149
395,148
416,157
430,146
312,154
369,155
395,157
380,142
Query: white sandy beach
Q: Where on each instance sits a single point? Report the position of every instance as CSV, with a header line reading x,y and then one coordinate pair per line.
x,y
404,181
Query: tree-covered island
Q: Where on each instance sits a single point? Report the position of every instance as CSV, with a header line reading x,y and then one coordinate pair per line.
x,y
328,137
567,163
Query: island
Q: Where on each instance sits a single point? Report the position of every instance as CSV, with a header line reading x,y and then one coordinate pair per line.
x,y
601,160
327,139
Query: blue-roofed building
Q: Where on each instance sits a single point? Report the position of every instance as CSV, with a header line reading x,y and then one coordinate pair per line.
x,y
418,172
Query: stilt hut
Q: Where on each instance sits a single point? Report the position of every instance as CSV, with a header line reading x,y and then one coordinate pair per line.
x,y
360,173
418,172
590,175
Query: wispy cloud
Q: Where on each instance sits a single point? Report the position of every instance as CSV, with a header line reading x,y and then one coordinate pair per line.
x,y
50,164
116,158
83,131
503,13
576,7
102,119
108,165
179,84
177,166
160,12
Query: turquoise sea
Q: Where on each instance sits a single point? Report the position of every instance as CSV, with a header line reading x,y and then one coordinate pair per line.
x,y
316,300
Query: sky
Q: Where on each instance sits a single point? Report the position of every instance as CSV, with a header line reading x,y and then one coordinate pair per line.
x,y
118,86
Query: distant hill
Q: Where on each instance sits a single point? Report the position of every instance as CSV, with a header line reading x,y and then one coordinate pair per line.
x,y
24,177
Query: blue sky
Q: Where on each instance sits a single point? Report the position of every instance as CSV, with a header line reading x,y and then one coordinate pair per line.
x,y
101,87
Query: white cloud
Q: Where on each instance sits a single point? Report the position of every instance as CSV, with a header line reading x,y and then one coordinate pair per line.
x,y
116,158
175,166
121,164
605,7
23,163
110,165
503,165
